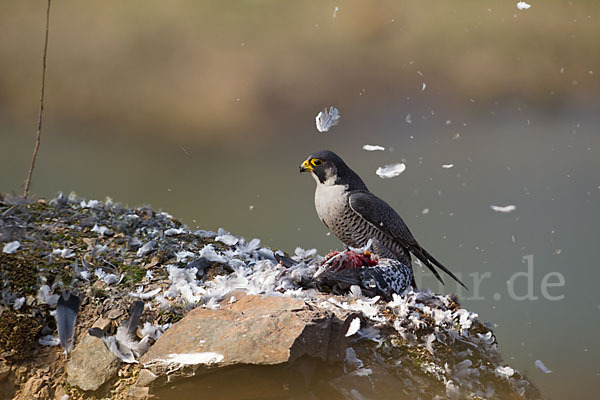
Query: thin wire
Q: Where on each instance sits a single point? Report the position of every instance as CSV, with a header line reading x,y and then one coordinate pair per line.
x,y
39,127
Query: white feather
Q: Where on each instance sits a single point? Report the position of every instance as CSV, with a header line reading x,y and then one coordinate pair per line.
x,y
504,209
326,120
371,147
354,327
390,171
540,365
11,247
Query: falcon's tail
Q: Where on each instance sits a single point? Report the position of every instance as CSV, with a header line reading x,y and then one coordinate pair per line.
x,y
430,262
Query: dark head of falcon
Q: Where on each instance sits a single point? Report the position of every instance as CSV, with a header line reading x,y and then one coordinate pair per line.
x,y
355,215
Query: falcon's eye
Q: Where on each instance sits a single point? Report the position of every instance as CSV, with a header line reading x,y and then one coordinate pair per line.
x,y
316,162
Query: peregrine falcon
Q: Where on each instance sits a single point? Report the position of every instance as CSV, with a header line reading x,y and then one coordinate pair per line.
x,y
355,215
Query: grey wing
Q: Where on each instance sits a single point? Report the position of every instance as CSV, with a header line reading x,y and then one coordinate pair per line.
x,y
379,214
383,217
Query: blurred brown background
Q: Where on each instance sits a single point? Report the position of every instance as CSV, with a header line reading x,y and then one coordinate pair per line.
x,y
205,71
206,109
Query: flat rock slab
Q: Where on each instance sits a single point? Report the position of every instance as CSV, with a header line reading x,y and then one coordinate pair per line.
x,y
91,364
256,330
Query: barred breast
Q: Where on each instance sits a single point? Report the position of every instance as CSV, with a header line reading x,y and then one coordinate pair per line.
x,y
333,209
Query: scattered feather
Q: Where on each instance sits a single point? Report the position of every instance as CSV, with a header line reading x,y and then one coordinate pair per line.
x,y
211,254
109,279
408,119
504,209
66,317
370,333
540,365
249,247
147,295
49,340
101,230
154,331
183,255
523,6
487,338
64,253
227,238
326,120
301,253
184,284
429,339
11,247
44,296
390,171
125,344
19,303
351,361
506,372
354,327
83,274
452,391
447,166
372,147
174,231
355,292
335,10
146,248
89,204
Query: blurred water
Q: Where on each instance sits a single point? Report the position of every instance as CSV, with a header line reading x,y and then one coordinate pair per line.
x,y
503,153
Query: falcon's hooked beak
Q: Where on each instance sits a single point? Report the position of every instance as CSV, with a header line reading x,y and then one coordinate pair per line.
x,y
306,167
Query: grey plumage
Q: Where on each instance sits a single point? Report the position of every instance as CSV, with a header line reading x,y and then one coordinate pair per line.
x,y
135,313
67,308
387,277
125,344
355,215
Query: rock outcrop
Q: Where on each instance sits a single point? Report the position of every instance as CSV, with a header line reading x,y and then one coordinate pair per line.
x,y
91,364
251,330
222,309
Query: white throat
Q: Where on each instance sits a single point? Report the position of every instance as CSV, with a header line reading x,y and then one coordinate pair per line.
x,y
330,200
330,181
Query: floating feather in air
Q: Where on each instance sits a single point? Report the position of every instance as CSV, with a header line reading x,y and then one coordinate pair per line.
x,y
390,171
326,120
373,147
67,308
523,6
540,365
504,209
